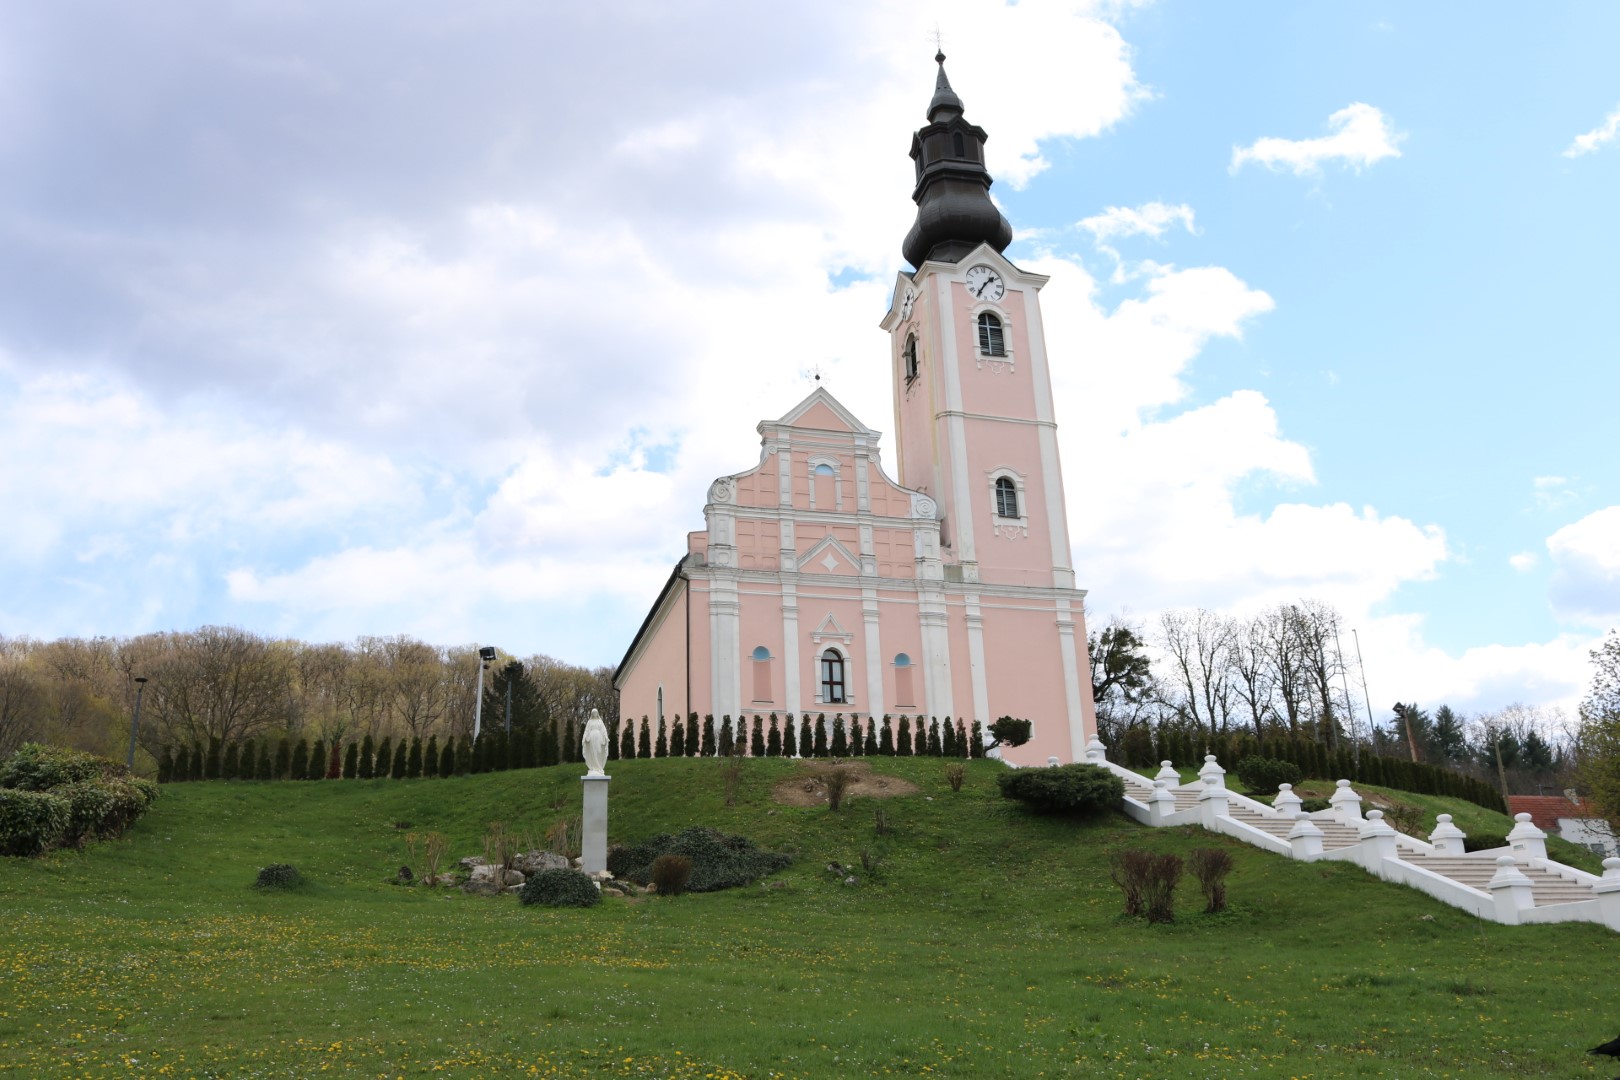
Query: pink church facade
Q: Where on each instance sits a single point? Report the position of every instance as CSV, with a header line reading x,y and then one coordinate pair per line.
x,y
821,585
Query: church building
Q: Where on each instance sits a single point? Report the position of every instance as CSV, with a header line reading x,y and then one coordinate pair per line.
x,y
821,585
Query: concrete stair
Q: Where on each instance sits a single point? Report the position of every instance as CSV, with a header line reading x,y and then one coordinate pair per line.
x,y
1476,871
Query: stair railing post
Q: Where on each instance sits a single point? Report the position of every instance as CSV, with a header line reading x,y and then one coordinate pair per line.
x,y
1608,893
1527,841
1346,803
1305,838
1510,890
1286,802
1447,838
1212,801
1162,803
1377,843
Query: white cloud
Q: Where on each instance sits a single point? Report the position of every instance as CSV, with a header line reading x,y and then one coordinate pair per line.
x,y
1361,136
1150,219
1585,586
1599,136
1524,561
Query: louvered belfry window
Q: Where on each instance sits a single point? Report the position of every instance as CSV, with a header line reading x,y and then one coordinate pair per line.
x,y
1006,498
990,340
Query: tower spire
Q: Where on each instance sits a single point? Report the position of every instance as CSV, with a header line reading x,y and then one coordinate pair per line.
x,y
954,211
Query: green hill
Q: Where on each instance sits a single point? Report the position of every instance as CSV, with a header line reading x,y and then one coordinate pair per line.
x,y
986,943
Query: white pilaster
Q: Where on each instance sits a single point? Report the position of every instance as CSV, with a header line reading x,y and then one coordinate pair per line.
x,y
790,647
1068,648
975,636
874,651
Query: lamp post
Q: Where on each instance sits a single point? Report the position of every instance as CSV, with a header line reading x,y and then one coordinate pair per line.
x,y
135,725
485,655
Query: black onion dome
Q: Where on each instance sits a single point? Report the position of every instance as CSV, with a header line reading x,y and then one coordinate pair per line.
x,y
954,211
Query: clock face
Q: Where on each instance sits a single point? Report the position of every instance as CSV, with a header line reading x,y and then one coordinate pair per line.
x,y
985,284
908,303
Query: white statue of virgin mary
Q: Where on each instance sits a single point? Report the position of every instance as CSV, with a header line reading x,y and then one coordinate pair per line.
x,y
595,745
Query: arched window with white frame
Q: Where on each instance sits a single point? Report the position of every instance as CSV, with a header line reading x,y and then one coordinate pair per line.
x,y
909,354
1006,498
834,678
992,342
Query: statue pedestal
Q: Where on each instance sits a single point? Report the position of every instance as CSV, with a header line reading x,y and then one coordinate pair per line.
x,y
593,831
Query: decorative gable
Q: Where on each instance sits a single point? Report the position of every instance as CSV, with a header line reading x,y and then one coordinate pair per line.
x,y
831,630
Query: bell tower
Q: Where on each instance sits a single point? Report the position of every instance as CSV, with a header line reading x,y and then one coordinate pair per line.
x,y
974,419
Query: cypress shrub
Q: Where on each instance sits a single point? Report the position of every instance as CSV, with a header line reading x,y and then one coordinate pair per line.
x,y
614,736
902,743
232,761
246,765
384,766
773,738
935,747
976,741
283,759
315,764
820,734
266,767
478,758
644,748
947,739
840,740
728,743
961,739
182,765
351,762
756,743
661,745
400,767
464,754
870,749
430,757
166,766
196,761
413,763
677,738
366,766
886,739
692,747
707,749
807,737
447,759
855,748
504,759
334,761
211,764
627,742
790,737
300,761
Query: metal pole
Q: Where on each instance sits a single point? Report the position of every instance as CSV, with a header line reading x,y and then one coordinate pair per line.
x,y
509,703
478,708
1365,697
134,727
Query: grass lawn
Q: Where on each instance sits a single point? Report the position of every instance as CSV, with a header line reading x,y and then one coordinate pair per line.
x,y
988,943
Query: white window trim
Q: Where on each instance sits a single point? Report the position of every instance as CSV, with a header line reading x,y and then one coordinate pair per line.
x,y
1012,528
998,364
815,462
849,680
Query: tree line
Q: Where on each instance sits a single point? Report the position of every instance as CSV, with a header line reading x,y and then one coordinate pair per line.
x,y
224,685
1283,674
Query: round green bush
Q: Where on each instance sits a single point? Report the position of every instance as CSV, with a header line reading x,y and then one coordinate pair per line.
x,y
1265,776
279,876
1064,789
31,821
1311,806
1484,841
560,888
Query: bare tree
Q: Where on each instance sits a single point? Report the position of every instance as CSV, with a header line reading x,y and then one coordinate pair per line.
x,y
1198,645
219,682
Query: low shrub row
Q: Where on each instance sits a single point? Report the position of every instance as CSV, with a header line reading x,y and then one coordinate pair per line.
x,y
1064,789
51,796
495,751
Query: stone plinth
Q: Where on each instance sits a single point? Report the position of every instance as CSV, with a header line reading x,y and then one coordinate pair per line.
x,y
593,830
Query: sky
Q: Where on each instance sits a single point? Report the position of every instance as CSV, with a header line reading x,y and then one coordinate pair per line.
x,y
329,319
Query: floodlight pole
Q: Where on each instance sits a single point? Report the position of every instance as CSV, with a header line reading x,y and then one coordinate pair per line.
x,y
478,708
135,726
